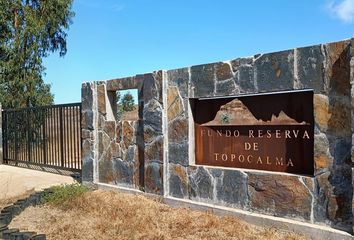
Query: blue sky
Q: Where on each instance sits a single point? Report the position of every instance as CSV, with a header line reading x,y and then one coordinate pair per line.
x,y
113,38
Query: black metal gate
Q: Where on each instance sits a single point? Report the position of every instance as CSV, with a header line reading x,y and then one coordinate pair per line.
x,y
47,136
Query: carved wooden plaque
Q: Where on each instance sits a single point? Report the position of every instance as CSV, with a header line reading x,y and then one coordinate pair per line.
x,y
271,132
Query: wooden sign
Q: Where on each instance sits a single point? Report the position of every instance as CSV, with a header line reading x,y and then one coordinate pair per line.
x,y
271,132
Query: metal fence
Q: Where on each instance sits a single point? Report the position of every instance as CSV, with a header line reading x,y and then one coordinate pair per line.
x,y
45,136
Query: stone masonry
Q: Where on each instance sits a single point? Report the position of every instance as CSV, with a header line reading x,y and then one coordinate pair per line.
x,y
125,153
156,154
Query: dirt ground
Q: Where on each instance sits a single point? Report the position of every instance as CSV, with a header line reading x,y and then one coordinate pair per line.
x,y
131,115
18,182
109,215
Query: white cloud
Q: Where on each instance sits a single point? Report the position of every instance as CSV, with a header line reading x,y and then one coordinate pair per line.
x,y
118,7
342,9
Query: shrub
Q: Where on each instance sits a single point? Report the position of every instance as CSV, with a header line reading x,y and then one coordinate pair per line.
x,y
61,194
225,118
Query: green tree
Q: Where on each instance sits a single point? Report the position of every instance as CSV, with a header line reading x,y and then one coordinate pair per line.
x,y
128,102
119,106
29,31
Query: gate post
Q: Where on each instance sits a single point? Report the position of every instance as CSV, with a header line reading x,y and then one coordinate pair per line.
x,y
89,132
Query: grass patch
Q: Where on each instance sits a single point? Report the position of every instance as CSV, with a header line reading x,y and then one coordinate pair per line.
x,y
59,195
97,215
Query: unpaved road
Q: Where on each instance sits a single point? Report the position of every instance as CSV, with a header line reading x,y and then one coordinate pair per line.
x,y
15,181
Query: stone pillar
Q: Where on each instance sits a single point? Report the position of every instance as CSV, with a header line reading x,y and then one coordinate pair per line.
x,y
88,131
153,132
352,102
1,150
352,95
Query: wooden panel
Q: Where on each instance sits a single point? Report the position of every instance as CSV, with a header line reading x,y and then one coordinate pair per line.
x,y
234,135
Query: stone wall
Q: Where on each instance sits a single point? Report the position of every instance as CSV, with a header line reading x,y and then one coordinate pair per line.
x,y
1,149
166,132
352,102
124,153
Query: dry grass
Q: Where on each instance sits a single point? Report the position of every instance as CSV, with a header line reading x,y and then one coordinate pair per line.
x,y
5,201
108,215
131,115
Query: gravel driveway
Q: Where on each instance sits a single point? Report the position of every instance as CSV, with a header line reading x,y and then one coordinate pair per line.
x,y
16,181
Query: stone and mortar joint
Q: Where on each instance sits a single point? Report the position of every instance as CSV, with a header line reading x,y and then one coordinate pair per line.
x,y
138,161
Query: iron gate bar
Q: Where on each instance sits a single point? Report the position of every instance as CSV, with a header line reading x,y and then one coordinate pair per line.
x,y
61,137
46,136
44,139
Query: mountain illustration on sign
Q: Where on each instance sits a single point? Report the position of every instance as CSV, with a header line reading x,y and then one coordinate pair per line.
x,y
236,113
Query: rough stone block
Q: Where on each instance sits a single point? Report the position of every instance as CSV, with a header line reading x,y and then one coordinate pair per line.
x,y
178,130
321,111
153,116
178,153
154,178
334,202
174,103
87,96
244,78
154,151
87,148
131,154
203,80
101,121
279,195
105,168
87,169
129,133
116,150
275,71
322,157
103,142
238,62
352,69
310,67
228,87
110,129
179,78
101,99
122,83
122,172
332,115
7,233
201,184
341,151
86,134
337,71
231,188
87,161
119,131
178,181
158,76
353,149
323,190
87,120
150,90
353,192
223,71
352,102
149,134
